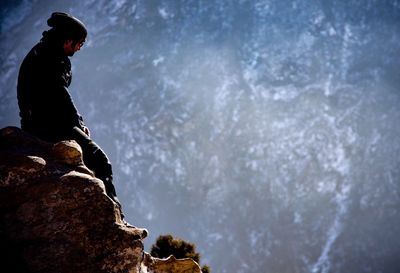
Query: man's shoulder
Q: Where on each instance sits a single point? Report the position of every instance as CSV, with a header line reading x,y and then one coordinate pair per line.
x,y
42,55
37,54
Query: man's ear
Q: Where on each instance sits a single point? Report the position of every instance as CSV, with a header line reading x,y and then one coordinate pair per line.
x,y
68,43
68,50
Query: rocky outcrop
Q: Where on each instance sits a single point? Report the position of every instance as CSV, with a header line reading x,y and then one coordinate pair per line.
x,y
56,217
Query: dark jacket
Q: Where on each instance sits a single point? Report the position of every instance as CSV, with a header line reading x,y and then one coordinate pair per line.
x,y
46,107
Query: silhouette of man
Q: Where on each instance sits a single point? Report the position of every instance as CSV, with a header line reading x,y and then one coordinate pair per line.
x,y
46,107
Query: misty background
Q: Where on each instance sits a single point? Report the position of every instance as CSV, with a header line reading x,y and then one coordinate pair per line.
x,y
266,132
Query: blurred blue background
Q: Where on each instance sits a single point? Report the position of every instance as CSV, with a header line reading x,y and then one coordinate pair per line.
x,y
266,132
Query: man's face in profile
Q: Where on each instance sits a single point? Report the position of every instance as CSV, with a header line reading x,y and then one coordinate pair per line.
x,y
70,46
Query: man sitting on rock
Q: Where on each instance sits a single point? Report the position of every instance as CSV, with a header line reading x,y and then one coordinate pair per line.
x,y
46,107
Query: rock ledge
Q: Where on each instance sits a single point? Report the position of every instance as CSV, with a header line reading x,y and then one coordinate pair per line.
x,y
56,217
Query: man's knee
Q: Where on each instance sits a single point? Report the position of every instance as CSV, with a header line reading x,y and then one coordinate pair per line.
x,y
94,157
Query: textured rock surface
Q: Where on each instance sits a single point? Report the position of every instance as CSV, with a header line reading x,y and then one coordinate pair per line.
x,y
56,217
151,264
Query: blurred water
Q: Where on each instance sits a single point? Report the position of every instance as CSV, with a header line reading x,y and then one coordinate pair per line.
x,y
264,131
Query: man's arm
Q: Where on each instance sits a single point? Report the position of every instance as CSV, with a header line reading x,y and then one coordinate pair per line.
x,y
62,105
63,108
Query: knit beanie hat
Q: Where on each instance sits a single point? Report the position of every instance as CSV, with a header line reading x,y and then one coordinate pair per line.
x,y
68,24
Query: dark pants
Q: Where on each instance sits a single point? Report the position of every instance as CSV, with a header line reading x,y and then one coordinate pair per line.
x,y
97,161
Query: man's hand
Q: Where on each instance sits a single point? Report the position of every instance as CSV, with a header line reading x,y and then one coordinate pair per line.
x,y
86,131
